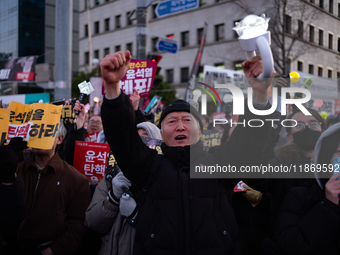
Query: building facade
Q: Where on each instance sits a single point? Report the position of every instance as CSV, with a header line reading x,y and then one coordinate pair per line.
x,y
112,30
28,28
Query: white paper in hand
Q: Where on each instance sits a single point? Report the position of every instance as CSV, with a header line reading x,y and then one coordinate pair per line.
x,y
85,87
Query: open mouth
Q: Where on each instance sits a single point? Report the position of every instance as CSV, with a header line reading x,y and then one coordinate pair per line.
x,y
180,137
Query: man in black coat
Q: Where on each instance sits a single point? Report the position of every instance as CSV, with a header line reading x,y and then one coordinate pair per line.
x,y
180,215
12,202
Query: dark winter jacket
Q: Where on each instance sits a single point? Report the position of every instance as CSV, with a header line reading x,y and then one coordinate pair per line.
x,y
180,215
286,155
12,206
56,200
308,223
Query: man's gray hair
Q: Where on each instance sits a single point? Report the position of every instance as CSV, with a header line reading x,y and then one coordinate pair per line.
x,y
62,129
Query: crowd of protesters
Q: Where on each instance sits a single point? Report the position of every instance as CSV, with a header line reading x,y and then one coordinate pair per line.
x,y
152,206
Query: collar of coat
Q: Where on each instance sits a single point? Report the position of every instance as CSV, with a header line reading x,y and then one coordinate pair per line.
x,y
52,164
180,156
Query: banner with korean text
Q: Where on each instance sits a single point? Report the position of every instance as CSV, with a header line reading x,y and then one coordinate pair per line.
x,y
91,137
140,75
90,158
18,69
4,121
67,114
36,123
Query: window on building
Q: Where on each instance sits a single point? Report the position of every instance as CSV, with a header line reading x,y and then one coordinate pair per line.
x,y
300,66
96,2
338,76
331,6
106,51
154,42
311,34
169,75
330,73
86,58
288,24
107,24
117,48
311,69
312,1
199,35
219,32
117,21
321,4
86,30
85,4
220,65
96,27
185,39
338,44
300,29
320,70
338,10
96,54
320,37
128,20
153,12
129,47
184,74
202,2
330,41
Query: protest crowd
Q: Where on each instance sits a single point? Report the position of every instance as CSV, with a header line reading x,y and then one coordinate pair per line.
x,y
135,193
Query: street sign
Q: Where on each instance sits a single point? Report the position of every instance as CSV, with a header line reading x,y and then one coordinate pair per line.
x,y
174,6
167,46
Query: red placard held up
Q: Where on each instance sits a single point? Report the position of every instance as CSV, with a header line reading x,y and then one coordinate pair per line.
x,y
90,159
91,137
140,75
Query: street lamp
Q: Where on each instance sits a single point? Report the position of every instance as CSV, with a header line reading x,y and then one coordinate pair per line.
x,y
253,35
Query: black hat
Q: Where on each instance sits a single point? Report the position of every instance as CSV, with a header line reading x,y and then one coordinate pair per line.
x,y
181,106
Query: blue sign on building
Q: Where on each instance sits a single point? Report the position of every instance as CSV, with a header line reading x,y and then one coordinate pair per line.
x,y
167,46
174,6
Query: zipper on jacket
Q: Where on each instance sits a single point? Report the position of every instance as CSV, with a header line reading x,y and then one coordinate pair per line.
x,y
35,191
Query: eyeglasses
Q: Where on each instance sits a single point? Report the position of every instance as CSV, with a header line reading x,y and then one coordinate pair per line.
x,y
95,122
313,125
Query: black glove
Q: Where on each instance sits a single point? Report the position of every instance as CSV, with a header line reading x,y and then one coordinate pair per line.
x,y
8,164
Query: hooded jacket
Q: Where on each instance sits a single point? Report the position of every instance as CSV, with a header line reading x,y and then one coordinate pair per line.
x,y
151,129
308,223
180,215
104,217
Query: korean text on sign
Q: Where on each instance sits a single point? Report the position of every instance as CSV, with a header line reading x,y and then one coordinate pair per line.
x,y
140,75
36,123
4,121
91,158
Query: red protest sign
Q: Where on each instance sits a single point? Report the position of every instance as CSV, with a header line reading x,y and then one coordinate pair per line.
x,y
91,137
90,159
140,75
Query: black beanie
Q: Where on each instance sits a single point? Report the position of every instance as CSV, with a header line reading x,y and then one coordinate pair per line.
x,y
181,106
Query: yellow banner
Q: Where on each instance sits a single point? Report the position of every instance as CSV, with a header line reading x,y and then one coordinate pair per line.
x,y
4,121
36,123
67,114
